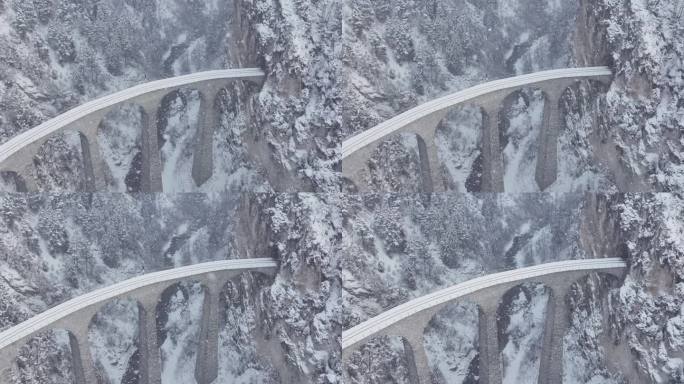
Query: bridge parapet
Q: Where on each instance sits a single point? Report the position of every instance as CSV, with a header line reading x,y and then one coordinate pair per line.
x,y
410,319
424,120
76,314
16,155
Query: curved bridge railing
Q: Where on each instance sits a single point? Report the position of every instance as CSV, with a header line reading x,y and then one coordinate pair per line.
x,y
424,119
16,155
76,314
410,319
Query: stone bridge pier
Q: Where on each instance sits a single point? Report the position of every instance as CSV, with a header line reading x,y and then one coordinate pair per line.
x,y
82,361
416,356
425,130
148,341
88,128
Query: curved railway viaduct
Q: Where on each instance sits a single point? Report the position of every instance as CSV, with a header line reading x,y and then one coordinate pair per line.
x,y
76,314
424,120
16,155
410,319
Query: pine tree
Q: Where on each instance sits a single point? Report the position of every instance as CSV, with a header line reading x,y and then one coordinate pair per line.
x,y
44,9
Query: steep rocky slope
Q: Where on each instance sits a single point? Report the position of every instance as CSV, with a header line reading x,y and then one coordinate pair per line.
x,y
399,247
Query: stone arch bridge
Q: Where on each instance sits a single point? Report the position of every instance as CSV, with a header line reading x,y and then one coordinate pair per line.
x,y
424,120
76,314
410,319
16,155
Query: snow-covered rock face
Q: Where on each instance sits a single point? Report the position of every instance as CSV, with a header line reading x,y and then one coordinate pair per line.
x,y
451,341
522,317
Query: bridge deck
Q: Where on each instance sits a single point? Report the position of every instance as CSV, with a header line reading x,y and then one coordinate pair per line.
x,y
376,324
45,319
392,125
63,120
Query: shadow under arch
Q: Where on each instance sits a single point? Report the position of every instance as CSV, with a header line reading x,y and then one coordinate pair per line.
x,y
522,125
179,127
190,135
554,125
114,340
227,141
119,137
561,305
522,317
450,340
